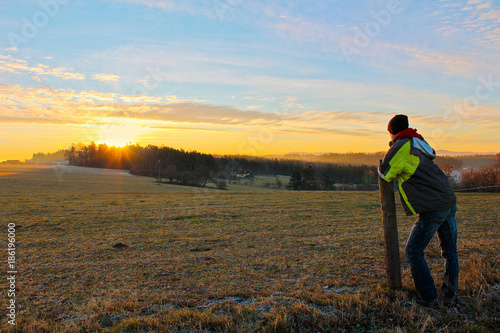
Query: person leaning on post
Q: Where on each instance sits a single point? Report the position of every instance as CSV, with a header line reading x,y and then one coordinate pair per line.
x,y
424,190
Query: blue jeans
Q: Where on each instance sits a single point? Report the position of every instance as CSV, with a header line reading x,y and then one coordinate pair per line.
x,y
445,224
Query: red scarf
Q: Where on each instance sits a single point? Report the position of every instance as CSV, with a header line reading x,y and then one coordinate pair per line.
x,y
409,133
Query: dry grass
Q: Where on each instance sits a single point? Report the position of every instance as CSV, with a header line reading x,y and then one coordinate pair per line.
x,y
233,261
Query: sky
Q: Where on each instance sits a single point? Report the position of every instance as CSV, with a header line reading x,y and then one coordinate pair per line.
x,y
248,77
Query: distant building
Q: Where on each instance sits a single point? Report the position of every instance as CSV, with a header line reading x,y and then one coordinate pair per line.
x,y
456,176
243,173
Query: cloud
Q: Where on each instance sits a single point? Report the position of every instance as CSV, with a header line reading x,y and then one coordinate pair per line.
x,y
44,105
436,60
188,6
203,114
167,4
302,30
12,65
163,4
254,107
73,107
467,39
106,77
475,26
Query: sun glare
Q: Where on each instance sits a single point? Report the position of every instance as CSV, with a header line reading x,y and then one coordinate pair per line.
x,y
120,136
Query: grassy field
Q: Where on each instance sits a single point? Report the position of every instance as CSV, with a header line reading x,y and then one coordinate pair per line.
x,y
195,260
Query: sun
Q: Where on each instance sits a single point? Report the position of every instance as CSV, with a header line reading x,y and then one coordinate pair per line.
x,y
116,142
120,135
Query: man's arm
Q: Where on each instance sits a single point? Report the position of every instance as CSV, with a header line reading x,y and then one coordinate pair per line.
x,y
394,160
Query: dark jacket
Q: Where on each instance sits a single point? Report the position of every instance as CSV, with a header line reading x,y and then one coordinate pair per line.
x,y
423,186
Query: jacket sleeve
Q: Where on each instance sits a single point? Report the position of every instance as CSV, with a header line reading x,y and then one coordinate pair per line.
x,y
394,162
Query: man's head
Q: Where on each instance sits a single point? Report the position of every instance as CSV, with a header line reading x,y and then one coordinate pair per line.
x,y
397,124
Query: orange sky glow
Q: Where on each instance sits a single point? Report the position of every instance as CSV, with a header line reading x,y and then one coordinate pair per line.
x,y
256,78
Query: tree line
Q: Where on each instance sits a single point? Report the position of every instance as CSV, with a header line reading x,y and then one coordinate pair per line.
x,y
177,166
192,168
371,159
172,165
323,176
48,158
485,179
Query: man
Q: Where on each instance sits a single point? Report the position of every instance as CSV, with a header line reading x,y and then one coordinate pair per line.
x,y
424,190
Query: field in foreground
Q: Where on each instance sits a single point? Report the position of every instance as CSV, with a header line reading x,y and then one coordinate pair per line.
x,y
196,260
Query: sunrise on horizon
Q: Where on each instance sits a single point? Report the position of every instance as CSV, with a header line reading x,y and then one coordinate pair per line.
x,y
248,77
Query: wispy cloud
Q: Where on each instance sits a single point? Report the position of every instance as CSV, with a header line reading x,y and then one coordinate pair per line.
x,y
181,65
189,6
163,4
9,64
304,31
435,60
106,77
43,105
47,106
477,23
56,106
474,25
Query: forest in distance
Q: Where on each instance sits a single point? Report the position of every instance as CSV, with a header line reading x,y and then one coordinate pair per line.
x,y
192,168
197,169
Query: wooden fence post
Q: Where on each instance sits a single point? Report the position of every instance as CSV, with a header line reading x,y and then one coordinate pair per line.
x,y
389,219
